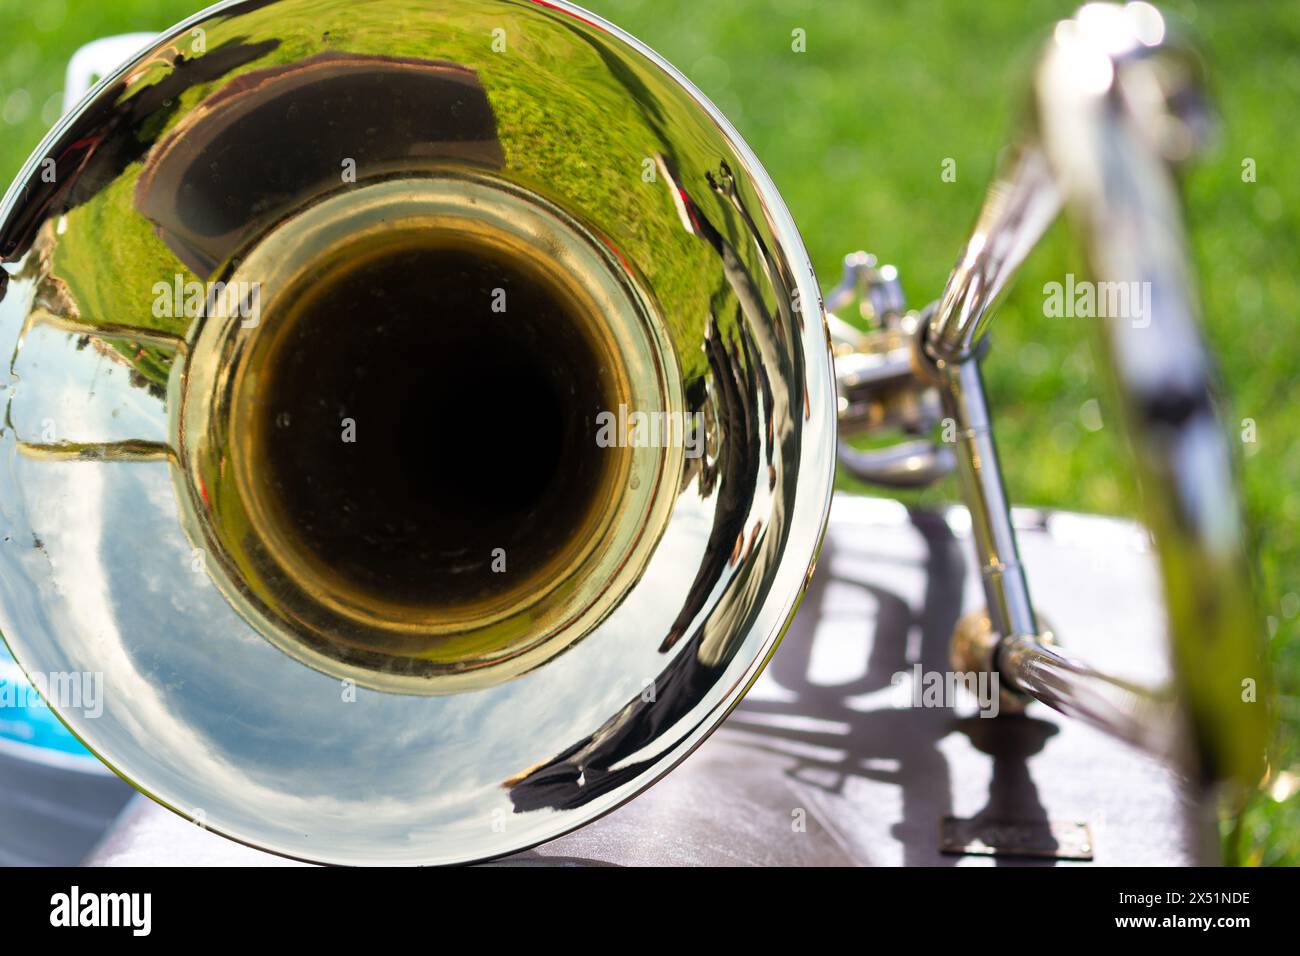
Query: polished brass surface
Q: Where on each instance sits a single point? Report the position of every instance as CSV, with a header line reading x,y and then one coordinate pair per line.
x,y
468,624
344,456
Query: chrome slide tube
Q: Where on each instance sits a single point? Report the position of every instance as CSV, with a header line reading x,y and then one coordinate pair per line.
x,y
1117,107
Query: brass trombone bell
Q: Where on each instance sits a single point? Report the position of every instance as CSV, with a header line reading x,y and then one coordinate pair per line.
x,y
461,432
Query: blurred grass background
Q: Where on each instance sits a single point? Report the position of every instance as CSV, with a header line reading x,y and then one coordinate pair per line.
x,y
855,131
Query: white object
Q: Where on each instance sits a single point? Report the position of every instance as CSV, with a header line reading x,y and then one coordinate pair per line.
x,y
99,59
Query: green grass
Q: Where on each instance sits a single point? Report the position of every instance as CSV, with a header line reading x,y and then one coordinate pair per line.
x,y
854,132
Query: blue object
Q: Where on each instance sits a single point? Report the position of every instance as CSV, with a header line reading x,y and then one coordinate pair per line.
x,y
28,728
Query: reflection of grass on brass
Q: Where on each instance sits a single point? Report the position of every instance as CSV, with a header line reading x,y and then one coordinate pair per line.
x,y
133,255
544,133
854,132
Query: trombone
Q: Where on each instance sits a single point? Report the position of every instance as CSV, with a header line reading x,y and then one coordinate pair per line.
x,y
360,584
